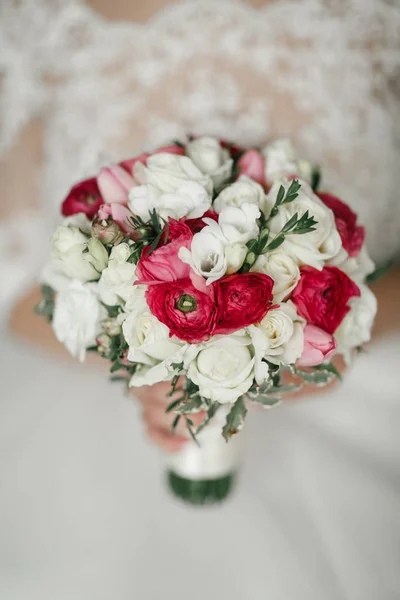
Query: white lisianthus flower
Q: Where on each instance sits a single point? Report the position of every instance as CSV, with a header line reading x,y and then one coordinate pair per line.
x,y
117,279
220,248
77,317
206,255
237,224
244,190
82,257
80,221
356,267
282,161
316,247
282,268
209,156
279,336
224,370
355,329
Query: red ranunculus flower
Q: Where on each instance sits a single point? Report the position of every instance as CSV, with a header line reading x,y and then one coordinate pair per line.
x,y
352,235
197,225
322,297
189,314
234,149
242,300
164,264
84,197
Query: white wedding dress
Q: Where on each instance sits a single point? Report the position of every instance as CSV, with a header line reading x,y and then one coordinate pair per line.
x,y
83,510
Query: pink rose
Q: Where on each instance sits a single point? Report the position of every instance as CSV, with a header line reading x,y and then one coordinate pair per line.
x,y
114,184
171,149
351,234
318,347
118,213
164,264
84,197
322,297
129,163
252,164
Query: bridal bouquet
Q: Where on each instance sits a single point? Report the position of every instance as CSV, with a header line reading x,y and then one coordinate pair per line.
x,y
224,271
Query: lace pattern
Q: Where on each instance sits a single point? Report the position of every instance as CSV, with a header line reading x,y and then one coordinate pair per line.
x,y
323,72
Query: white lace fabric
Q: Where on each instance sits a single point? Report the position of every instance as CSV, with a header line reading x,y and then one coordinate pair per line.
x,y
321,72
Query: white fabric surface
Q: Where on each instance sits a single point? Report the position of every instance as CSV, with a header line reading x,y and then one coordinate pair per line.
x,y
84,514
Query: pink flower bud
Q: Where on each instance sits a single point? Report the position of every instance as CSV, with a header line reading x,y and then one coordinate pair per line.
x,y
252,164
107,231
118,213
318,347
114,184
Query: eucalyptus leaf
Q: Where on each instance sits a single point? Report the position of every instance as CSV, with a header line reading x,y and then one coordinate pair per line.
x,y
235,418
266,401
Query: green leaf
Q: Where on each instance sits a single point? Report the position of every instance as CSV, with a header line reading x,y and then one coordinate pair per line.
x,y
266,401
235,418
316,177
280,196
193,405
316,377
173,405
329,368
210,414
293,192
116,367
379,272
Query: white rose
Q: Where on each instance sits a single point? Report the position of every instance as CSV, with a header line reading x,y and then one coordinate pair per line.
x,y
149,343
53,275
316,247
224,370
209,156
244,190
356,267
279,336
166,172
282,268
355,329
117,279
82,257
190,199
80,221
77,317
281,161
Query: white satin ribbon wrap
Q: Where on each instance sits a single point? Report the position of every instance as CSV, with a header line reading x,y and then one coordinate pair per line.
x,y
214,457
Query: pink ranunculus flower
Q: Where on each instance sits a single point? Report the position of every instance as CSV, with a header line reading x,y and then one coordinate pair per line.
x,y
164,264
318,347
252,164
170,149
118,212
129,163
114,184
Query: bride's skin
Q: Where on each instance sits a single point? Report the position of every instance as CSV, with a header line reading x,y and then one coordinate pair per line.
x,y
23,323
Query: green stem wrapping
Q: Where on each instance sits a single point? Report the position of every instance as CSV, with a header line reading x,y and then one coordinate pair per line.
x,y
202,491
